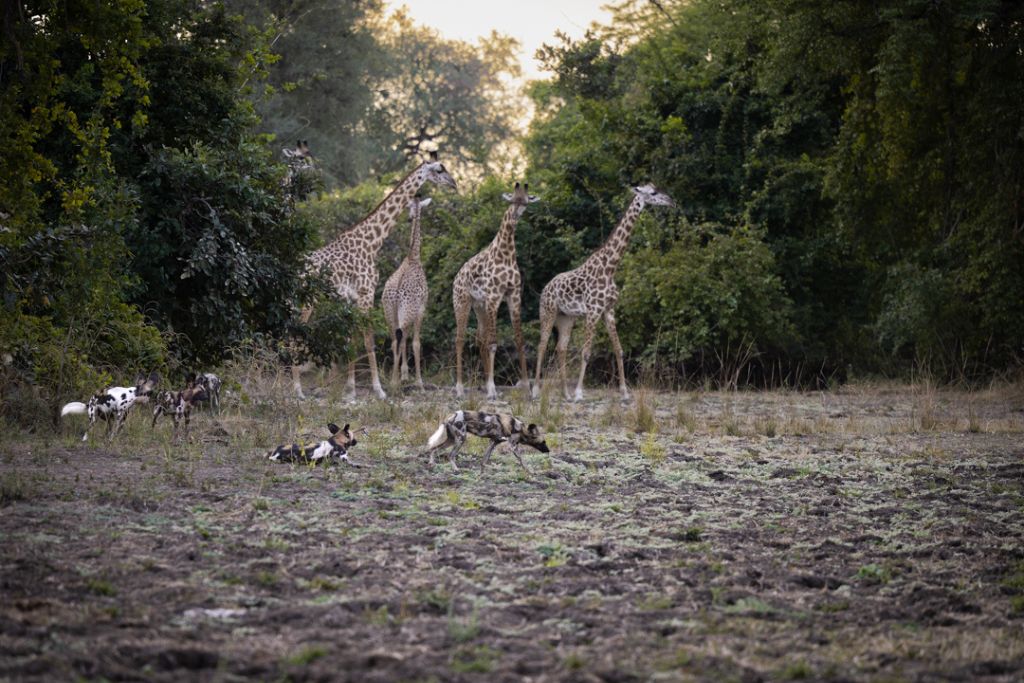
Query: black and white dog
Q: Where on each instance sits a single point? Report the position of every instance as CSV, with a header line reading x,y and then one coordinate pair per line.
x,y
498,427
334,448
113,405
179,404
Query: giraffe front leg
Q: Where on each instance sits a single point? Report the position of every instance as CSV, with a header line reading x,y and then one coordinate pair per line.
x,y
416,351
613,335
394,357
564,324
491,347
372,358
588,340
515,313
461,322
547,322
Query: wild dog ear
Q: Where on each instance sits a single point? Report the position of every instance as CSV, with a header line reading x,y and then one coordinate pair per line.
x,y
531,427
345,429
332,427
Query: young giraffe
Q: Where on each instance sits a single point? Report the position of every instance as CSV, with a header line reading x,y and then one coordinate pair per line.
x,y
404,299
483,282
351,259
590,292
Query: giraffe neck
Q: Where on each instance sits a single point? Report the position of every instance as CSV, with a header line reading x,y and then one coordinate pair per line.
x,y
614,247
377,225
505,241
414,237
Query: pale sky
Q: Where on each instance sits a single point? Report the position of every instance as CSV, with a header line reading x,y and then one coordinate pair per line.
x,y
531,22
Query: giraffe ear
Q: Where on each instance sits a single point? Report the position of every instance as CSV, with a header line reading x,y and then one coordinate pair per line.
x,y
507,196
532,198
425,202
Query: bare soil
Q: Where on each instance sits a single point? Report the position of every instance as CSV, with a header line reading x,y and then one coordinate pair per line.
x,y
870,534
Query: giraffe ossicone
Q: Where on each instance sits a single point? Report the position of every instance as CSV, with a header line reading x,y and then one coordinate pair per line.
x,y
482,284
589,292
350,260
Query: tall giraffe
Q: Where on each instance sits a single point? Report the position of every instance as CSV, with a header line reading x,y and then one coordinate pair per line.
x,y
483,282
404,299
351,259
589,292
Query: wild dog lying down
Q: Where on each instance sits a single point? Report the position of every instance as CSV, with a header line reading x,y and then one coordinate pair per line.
x,y
335,447
498,427
179,404
113,405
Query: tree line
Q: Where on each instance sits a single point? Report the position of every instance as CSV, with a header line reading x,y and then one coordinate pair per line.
x,y
849,177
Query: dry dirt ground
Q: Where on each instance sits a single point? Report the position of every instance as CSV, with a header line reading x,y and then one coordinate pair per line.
x,y
871,533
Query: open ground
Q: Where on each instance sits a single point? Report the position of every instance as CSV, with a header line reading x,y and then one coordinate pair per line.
x,y
869,533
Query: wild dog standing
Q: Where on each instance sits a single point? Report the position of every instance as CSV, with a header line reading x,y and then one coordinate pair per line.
x,y
113,404
179,404
335,447
498,427
211,385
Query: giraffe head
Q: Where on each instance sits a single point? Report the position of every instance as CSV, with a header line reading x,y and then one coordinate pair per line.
x,y
436,172
648,194
519,198
300,152
416,205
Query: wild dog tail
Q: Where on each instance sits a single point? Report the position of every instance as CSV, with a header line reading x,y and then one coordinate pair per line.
x,y
73,408
438,437
398,335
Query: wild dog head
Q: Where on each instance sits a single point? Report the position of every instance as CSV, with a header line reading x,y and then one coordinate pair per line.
x,y
341,439
144,386
532,436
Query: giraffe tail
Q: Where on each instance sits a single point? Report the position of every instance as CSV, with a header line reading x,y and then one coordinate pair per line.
x,y
398,335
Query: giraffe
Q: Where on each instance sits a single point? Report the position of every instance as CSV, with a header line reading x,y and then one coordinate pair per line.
x,y
483,282
300,161
589,292
351,259
404,299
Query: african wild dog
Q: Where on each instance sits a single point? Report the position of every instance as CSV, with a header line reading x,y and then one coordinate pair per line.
x,y
211,384
498,427
335,447
113,405
179,404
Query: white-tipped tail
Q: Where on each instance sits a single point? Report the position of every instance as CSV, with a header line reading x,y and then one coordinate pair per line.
x,y
74,408
437,438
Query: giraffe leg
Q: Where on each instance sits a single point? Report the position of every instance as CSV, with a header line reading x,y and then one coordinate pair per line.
x,y
613,335
461,322
404,355
564,324
515,313
547,321
371,356
490,346
588,340
394,356
416,349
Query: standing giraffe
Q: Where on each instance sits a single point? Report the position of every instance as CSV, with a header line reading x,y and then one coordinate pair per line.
x,y
483,282
404,299
351,259
300,161
590,292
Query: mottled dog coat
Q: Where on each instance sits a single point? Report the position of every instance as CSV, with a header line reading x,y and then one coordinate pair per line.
x,y
498,427
335,447
179,404
112,405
